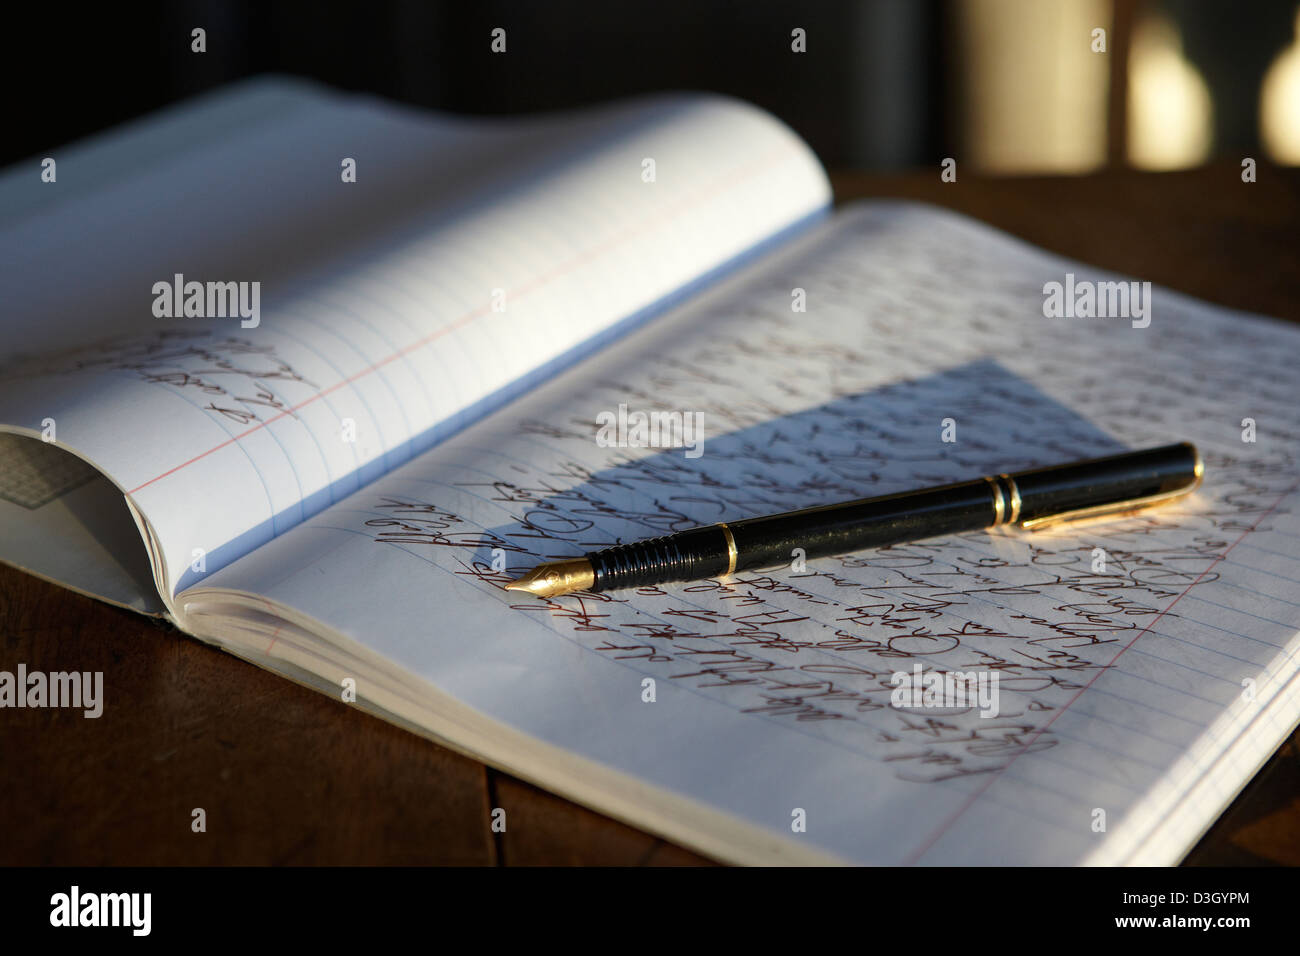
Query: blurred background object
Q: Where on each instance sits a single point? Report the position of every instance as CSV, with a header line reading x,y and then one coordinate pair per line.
x,y
1279,107
1169,108
1003,86
1033,81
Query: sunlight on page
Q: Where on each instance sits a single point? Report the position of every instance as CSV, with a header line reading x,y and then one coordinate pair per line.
x,y
722,714
467,261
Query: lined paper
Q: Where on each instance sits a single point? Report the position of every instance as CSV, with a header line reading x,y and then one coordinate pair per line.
x,y
1136,696
468,261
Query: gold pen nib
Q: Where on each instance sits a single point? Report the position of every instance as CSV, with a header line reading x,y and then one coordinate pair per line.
x,y
556,577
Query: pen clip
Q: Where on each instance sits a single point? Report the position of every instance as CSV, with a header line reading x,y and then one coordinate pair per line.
x,y
1115,508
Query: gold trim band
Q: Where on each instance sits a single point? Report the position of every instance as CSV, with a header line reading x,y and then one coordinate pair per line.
x,y
731,548
999,506
1015,499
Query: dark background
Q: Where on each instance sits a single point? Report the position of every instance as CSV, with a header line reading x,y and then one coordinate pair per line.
x,y
874,90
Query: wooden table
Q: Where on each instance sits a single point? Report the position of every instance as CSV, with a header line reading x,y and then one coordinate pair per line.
x,y
287,775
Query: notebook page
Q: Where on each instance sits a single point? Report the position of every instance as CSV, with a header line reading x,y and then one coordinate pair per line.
x,y
1135,657
467,261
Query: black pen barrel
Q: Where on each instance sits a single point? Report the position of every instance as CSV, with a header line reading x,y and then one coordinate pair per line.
x,y
1101,484
966,506
1130,476
771,541
867,523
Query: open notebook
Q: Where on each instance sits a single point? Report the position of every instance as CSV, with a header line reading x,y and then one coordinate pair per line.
x,y
339,491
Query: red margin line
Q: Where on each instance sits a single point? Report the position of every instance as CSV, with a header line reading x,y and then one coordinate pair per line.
x,y
993,778
710,189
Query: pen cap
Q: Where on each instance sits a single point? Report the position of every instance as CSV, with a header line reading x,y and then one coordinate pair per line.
x,y
1102,486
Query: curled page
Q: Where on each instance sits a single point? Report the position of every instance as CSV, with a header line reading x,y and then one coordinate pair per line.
x,y
266,321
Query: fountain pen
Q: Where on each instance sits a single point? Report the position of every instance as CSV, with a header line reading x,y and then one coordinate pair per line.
x,y
1096,488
